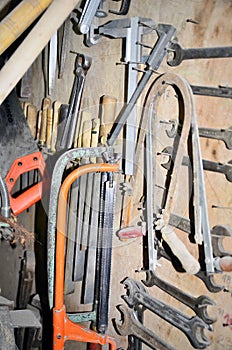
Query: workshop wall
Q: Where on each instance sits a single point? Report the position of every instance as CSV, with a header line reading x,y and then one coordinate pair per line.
x,y
199,23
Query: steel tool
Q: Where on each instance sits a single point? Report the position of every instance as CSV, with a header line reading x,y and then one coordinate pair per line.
x,y
224,135
158,88
180,54
131,326
218,233
64,328
198,305
106,255
152,63
192,327
222,168
87,15
19,154
221,91
82,64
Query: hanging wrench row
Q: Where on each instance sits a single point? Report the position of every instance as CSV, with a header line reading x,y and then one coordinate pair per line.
x,y
192,327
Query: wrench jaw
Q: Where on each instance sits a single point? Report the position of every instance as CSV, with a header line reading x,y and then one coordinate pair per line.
x,y
132,288
218,233
200,341
201,309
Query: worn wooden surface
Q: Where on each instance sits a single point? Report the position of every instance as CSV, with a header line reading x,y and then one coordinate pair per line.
x,y
213,28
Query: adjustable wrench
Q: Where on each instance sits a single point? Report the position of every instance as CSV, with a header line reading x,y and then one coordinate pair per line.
x,y
224,135
131,326
192,327
198,305
181,53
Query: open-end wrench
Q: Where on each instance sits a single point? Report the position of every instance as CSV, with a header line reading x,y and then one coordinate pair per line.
x,y
224,135
222,168
131,326
198,305
220,91
218,233
192,327
180,53
82,65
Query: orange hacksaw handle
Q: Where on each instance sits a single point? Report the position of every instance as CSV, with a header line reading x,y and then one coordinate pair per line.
x,y
33,194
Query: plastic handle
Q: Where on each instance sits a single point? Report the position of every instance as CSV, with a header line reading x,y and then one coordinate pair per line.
x,y
34,193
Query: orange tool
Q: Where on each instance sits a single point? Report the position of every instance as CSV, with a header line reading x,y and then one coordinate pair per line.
x,y
64,328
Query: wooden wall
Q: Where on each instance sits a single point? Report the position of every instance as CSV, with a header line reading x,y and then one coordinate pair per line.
x,y
213,28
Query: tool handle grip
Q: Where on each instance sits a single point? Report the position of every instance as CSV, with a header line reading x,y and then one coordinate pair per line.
x,y
33,194
189,263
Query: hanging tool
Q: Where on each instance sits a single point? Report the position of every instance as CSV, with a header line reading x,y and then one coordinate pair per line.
x,y
221,91
158,88
106,255
19,154
129,325
198,305
82,64
64,46
87,15
64,328
208,165
218,233
224,135
180,54
192,327
56,180
52,63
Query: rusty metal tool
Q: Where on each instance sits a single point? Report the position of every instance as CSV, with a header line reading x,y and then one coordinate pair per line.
x,y
82,64
179,53
56,180
224,135
218,233
198,305
64,328
221,91
20,155
64,46
129,325
192,327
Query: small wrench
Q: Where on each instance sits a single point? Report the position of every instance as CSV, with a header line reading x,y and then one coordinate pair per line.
x,y
131,326
192,327
181,53
198,305
224,135
218,232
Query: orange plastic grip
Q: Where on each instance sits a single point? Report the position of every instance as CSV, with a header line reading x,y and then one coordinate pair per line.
x,y
31,195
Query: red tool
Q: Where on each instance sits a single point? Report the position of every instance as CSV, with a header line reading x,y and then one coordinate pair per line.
x,y
64,328
19,154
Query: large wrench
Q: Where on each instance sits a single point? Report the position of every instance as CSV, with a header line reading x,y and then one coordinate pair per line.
x,y
192,327
131,326
181,54
218,232
198,305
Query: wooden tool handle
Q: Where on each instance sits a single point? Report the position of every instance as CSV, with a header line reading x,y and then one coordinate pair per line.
x,y
189,263
109,104
43,126
56,107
